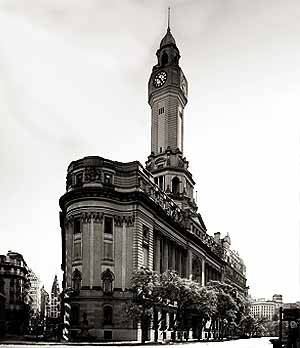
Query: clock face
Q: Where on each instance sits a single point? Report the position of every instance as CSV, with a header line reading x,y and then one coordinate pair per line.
x,y
160,78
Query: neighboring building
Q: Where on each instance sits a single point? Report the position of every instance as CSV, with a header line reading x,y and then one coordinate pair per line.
x,y
45,303
14,281
55,300
116,217
235,269
262,308
2,307
34,292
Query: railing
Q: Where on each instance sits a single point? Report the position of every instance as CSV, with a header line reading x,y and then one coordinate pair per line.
x,y
176,213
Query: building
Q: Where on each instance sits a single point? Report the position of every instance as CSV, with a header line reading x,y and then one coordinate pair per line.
x,y
34,292
45,304
116,217
262,308
55,300
2,308
14,285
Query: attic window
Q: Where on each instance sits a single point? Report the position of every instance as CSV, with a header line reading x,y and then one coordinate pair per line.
x,y
107,178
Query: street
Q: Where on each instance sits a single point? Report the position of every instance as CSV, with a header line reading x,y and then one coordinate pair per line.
x,y
244,343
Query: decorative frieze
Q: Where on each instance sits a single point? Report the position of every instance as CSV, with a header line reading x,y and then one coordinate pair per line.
x,y
128,220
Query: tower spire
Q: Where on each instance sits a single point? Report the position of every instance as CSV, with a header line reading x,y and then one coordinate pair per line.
x,y
169,19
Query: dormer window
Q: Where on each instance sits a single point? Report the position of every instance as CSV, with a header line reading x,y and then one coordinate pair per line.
x,y
107,178
78,179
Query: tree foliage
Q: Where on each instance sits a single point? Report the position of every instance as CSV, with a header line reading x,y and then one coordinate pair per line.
x,y
191,305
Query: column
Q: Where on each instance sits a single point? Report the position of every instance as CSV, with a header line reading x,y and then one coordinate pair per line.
x,y
189,265
179,262
157,254
173,266
124,261
206,274
203,272
165,255
91,235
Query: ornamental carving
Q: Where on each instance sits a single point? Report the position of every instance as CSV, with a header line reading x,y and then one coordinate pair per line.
x,y
98,217
127,220
118,220
92,174
86,216
69,221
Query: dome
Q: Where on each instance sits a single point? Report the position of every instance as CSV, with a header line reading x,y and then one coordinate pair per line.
x,y
168,39
227,239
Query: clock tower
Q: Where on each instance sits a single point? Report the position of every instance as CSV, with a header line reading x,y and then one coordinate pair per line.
x,y
167,97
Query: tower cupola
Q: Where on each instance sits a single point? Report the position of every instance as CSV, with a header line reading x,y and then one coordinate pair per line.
x,y
167,97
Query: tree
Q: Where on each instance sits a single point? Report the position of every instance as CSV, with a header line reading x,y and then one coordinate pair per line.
x,y
184,294
227,307
206,308
144,285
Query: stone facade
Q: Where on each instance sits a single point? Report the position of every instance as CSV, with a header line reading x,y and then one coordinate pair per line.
x,y
116,217
54,308
2,309
34,292
45,304
14,285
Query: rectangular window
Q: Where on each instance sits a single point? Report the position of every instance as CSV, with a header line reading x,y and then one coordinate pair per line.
x,y
108,251
108,225
77,250
77,225
161,124
179,131
145,233
145,255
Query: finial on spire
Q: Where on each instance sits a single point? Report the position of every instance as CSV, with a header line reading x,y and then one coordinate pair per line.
x,y
169,18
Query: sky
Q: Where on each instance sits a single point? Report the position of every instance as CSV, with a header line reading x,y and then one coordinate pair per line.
x,y
73,83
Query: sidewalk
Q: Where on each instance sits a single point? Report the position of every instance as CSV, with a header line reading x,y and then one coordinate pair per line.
x,y
101,343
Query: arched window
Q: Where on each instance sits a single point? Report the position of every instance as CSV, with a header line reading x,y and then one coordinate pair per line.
x,y
107,314
76,280
175,185
164,59
107,280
